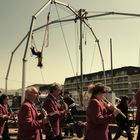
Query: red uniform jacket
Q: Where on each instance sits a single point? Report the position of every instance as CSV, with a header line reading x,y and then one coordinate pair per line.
x,y
28,123
137,98
3,111
51,105
97,120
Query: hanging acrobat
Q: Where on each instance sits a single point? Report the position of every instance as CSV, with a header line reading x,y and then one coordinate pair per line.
x,y
39,56
36,53
45,39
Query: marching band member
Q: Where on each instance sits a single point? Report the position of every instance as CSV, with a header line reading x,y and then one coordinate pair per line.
x,y
97,117
137,100
4,116
29,122
55,112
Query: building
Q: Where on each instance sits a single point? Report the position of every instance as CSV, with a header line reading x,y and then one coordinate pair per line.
x,y
17,95
125,81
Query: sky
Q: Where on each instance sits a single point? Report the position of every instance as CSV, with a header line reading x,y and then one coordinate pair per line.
x,y
15,20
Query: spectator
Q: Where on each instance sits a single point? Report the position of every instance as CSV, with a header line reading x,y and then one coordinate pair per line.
x,y
72,110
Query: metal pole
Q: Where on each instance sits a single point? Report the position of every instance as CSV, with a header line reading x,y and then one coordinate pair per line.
x,y
111,58
81,18
114,13
10,62
81,58
24,58
104,75
92,16
27,44
99,50
31,27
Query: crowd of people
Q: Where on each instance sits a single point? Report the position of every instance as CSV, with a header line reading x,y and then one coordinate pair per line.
x,y
58,109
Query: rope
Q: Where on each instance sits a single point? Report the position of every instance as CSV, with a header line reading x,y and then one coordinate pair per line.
x,y
46,32
65,9
85,32
65,41
43,80
92,58
84,35
33,44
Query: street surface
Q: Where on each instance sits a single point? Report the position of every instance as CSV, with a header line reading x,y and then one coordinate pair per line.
x,y
75,138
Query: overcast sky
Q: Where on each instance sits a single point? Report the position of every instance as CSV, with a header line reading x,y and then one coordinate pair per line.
x,y
15,19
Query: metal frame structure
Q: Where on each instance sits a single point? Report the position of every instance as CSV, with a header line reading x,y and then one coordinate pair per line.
x,y
79,16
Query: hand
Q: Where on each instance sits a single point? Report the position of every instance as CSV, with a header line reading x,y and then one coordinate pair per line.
x,y
67,111
44,112
116,112
66,107
45,120
11,115
5,117
110,107
16,112
53,113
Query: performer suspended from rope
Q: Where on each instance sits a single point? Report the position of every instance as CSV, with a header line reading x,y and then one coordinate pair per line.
x,y
33,46
39,56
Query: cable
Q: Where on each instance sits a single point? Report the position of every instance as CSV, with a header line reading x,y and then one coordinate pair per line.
x,y
42,75
85,32
63,8
46,31
65,42
85,42
92,58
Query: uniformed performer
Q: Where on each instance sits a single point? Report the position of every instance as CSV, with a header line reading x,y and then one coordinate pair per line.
x,y
97,116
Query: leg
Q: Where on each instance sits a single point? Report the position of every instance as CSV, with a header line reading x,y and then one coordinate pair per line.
x,y
54,138
118,133
71,131
58,138
5,137
138,136
109,135
128,131
49,138
5,134
66,132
